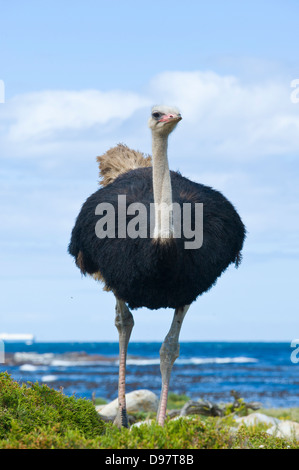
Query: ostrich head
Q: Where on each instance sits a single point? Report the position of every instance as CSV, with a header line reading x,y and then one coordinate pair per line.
x,y
164,119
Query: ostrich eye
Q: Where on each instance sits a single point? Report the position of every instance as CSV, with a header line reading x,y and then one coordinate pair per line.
x,y
156,115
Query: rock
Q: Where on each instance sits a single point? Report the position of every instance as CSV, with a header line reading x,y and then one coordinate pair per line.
x,y
173,413
184,418
285,429
255,418
139,400
203,407
147,422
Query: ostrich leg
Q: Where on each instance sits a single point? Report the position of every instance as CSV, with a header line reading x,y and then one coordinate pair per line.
x,y
124,323
169,352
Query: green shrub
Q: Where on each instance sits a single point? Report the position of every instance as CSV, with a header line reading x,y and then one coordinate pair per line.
x,y
35,410
195,433
35,416
176,401
282,413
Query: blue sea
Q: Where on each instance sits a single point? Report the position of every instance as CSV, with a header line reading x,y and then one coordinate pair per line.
x,y
260,372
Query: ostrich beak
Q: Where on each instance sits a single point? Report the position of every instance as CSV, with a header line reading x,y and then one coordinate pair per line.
x,y
170,118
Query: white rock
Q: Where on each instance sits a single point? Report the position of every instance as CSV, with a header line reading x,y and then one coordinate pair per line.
x,y
147,422
285,429
139,400
188,417
255,418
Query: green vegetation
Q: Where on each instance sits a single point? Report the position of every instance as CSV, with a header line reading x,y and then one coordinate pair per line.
x,y
35,416
176,401
195,433
282,413
100,401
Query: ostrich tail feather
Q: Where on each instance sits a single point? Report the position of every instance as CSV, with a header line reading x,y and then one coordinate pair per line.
x,y
119,160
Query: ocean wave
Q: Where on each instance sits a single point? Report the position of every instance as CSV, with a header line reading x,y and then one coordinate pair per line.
x,y
195,361
33,358
49,378
218,360
67,363
142,362
28,361
32,361
31,368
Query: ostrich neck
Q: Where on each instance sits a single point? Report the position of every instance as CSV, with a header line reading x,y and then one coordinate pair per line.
x,y
162,188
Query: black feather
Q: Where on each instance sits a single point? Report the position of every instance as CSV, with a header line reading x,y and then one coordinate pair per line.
x,y
145,273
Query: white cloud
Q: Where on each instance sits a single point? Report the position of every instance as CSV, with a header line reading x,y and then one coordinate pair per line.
x,y
227,127
229,118
43,116
222,116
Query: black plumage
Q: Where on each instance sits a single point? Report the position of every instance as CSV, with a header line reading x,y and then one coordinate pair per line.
x,y
147,273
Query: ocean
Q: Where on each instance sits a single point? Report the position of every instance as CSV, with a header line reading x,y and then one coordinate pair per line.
x,y
262,372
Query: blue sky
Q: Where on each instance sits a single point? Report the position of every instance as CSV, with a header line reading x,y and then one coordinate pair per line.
x,y
80,77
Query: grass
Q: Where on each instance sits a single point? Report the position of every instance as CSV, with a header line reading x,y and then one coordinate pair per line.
x,y
34,416
176,401
195,433
100,401
282,413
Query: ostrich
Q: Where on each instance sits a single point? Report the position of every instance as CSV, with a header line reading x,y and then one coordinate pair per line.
x,y
155,270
